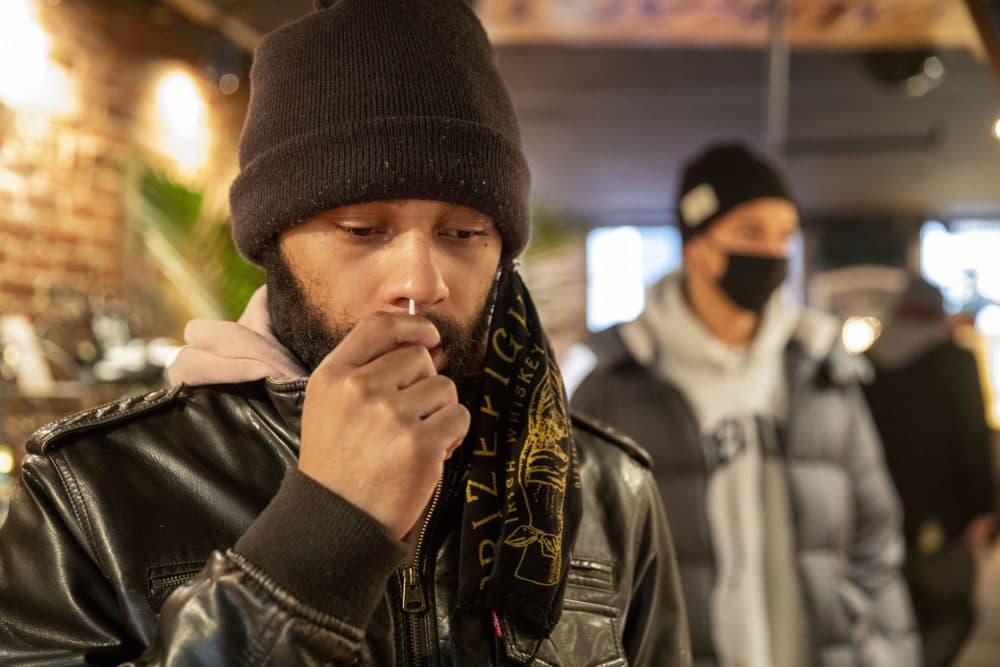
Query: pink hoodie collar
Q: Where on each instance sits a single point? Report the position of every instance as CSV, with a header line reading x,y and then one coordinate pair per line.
x,y
221,352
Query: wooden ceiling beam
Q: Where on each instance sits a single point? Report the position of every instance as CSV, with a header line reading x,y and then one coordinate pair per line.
x,y
208,15
812,24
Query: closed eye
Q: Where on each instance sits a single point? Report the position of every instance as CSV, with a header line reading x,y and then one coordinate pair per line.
x,y
463,234
361,232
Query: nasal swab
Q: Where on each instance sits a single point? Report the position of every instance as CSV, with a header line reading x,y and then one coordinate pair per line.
x,y
413,307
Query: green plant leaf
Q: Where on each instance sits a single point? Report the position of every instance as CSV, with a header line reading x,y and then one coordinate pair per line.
x,y
192,248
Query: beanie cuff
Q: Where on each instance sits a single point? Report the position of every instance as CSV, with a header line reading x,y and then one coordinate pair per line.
x,y
407,157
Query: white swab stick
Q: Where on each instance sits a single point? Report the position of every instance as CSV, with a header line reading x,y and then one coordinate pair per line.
x,y
413,307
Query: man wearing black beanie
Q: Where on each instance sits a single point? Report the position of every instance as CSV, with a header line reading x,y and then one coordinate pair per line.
x,y
376,464
764,449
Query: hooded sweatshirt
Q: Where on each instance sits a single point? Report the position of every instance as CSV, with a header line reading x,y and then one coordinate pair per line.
x,y
219,352
740,398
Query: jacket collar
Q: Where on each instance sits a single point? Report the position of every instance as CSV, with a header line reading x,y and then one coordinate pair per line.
x,y
287,397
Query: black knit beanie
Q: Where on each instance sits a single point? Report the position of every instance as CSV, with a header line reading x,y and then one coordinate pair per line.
x,y
373,100
718,180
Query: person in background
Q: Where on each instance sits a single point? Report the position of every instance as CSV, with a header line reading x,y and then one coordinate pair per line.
x,y
982,648
785,521
927,402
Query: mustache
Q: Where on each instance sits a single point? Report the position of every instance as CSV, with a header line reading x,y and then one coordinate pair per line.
x,y
463,346
311,334
451,331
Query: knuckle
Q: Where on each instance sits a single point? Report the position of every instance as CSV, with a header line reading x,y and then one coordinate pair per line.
x,y
325,373
323,380
443,384
459,420
392,410
430,327
411,439
359,385
425,355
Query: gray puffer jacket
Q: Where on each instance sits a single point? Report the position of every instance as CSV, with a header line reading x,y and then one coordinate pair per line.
x,y
846,519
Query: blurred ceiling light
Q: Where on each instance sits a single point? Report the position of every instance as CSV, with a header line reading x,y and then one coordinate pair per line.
x,y
916,71
988,321
229,84
182,116
29,80
860,333
996,129
6,460
182,109
918,86
933,67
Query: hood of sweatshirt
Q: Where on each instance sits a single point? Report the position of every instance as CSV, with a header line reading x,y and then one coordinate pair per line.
x,y
222,352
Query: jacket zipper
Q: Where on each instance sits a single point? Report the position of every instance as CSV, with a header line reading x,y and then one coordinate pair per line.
x,y
413,598
160,588
160,583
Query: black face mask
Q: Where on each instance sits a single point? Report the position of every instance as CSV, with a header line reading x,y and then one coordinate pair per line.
x,y
750,280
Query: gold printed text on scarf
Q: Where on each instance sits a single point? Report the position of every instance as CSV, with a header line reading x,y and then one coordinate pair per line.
x,y
522,497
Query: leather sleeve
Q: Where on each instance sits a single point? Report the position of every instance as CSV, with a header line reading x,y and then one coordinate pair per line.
x,y
232,613
656,630
58,606
885,626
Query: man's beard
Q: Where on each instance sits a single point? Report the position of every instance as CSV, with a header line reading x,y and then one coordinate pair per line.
x,y
311,336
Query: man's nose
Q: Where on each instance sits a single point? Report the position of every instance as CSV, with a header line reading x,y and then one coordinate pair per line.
x,y
415,273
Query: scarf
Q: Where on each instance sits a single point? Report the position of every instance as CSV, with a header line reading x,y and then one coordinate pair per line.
x,y
522,501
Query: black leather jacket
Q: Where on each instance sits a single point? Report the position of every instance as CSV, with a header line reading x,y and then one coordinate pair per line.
x,y
119,548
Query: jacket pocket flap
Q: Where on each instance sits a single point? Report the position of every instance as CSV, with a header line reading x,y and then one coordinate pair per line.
x,y
592,574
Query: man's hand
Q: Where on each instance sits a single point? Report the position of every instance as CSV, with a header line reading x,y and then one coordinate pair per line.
x,y
379,422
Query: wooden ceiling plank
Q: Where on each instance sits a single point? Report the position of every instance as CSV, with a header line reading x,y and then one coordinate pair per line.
x,y
208,15
813,24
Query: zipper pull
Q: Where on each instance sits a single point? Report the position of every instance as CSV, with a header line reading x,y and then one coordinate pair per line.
x,y
499,647
413,593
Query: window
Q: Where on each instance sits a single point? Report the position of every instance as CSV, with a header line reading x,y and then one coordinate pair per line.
x,y
961,260
622,262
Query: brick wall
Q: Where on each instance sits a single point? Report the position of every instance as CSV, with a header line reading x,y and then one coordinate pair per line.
x,y
62,214
63,219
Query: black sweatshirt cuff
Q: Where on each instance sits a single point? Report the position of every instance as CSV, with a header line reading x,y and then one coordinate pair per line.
x,y
322,549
